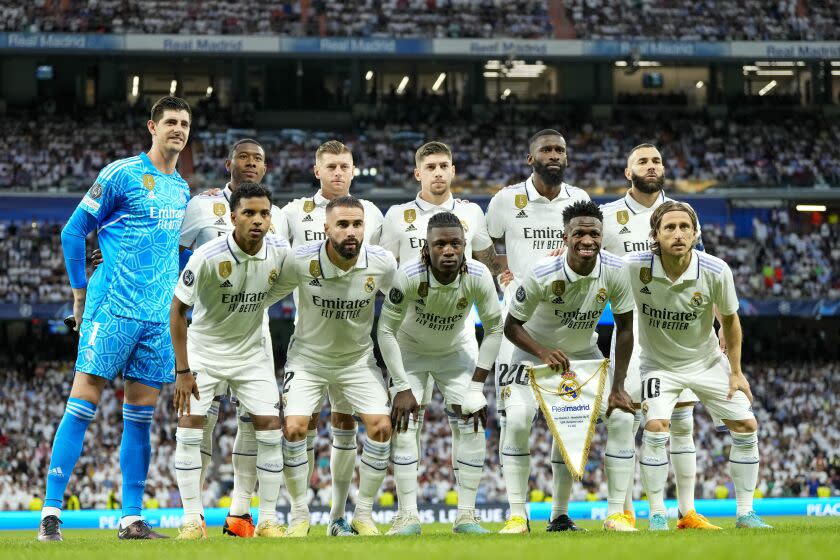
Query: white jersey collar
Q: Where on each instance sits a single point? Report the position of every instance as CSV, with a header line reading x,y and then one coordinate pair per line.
x,y
434,283
241,256
637,208
329,270
532,193
448,204
319,199
573,276
691,273
227,192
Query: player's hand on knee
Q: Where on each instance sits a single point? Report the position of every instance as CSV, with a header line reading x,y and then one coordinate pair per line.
x,y
96,258
554,358
620,399
185,386
403,407
479,418
738,382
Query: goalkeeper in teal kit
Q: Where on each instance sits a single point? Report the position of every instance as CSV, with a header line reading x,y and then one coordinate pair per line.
x,y
136,206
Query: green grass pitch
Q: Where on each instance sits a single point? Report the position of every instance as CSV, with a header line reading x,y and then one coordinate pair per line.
x,y
793,538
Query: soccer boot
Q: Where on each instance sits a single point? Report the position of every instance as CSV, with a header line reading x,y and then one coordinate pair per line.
x,y
468,524
516,525
631,515
619,522
563,523
49,529
658,522
751,521
364,527
239,525
693,520
405,524
139,530
297,529
269,528
192,531
340,528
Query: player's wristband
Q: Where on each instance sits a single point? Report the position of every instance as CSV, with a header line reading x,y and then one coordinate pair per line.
x,y
477,386
182,371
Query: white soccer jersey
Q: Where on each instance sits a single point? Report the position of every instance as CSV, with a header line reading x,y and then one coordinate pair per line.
x,y
229,290
676,318
431,319
626,225
561,308
208,218
404,230
530,224
303,220
335,307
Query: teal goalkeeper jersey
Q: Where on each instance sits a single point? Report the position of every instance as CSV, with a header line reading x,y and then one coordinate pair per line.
x,y
138,211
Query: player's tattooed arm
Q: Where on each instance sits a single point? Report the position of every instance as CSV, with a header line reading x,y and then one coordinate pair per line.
x,y
492,260
619,398
185,384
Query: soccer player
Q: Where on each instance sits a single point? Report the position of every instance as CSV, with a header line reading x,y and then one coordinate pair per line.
x,y
425,334
227,281
337,280
302,222
626,229
137,205
552,320
208,217
676,288
528,218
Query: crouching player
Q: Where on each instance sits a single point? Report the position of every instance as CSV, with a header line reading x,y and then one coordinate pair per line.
x,y
228,282
676,289
424,332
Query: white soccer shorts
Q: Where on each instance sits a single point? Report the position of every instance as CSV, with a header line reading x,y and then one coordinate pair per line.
x,y
252,383
357,388
452,374
661,390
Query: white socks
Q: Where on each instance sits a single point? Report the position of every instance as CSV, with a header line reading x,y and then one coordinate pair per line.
x,y
654,466
456,436
404,456
207,440
310,452
684,456
516,456
244,466
295,467
561,484
188,470
372,471
628,500
342,467
743,464
620,458
269,470
471,454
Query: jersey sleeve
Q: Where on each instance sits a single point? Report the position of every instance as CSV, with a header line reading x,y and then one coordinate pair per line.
x,y
287,281
526,298
494,221
481,238
490,313
373,224
621,291
103,198
282,223
390,238
727,298
191,225
393,312
186,289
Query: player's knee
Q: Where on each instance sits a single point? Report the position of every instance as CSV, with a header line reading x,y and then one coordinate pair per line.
x,y
742,426
266,422
682,422
620,423
313,421
517,430
342,421
192,421
295,428
657,425
379,428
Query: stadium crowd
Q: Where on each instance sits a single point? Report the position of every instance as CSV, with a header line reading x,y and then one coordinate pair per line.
x,y
591,19
797,406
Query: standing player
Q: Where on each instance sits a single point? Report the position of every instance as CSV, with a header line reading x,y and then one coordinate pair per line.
x,y
208,217
552,320
404,234
302,222
676,289
527,217
227,281
627,229
137,205
422,332
337,281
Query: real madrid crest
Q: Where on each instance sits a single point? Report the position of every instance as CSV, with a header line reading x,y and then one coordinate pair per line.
x,y
462,304
370,285
148,181
219,209
308,206
225,268
645,275
569,388
622,217
601,296
506,392
272,276
697,299
423,289
409,215
314,268
521,201
558,287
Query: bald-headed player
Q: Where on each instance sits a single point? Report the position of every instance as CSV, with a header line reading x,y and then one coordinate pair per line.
x,y
302,222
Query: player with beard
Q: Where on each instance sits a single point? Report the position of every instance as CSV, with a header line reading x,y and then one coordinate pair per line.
x,y
626,229
527,218
337,281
